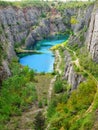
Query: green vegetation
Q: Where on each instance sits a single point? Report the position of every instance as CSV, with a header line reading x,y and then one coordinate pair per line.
x,y
1,30
87,63
24,3
18,44
43,15
39,122
0,53
73,20
42,85
76,4
69,114
67,110
58,86
85,59
17,92
76,110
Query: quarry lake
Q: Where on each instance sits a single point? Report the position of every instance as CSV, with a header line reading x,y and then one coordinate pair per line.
x,y
44,61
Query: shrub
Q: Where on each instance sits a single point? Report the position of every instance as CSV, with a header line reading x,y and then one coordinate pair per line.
x,y
82,38
43,15
51,108
79,98
73,20
17,92
40,105
58,86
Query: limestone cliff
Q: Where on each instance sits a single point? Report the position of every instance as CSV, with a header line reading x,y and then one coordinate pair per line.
x,y
78,39
25,26
73,78
92,38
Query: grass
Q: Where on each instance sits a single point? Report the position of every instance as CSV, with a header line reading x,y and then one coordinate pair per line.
x,y
18,92
42,85
65,114
58,46
23,89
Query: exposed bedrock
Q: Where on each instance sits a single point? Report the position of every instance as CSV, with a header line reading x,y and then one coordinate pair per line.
x,y
73,78
92,38
26,26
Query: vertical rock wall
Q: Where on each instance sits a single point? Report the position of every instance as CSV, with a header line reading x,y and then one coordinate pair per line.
x,y
92,38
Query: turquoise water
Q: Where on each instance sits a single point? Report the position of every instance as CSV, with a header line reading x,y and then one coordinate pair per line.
x,y
42,62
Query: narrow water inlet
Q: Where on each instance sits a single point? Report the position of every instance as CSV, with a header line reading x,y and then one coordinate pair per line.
x,y
44,61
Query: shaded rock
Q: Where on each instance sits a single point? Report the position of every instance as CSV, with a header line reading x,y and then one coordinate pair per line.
x,y
73,78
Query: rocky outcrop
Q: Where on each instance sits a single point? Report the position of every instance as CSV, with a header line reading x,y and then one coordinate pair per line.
x,y
17,22
80,28
40,32
30,24
82,17
92,38
73,78
26,26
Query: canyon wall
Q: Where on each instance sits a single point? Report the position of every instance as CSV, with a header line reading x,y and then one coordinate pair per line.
x,y
80,29
72,77
92,37
25,26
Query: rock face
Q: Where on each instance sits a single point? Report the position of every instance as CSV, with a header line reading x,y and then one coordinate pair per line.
x,y
25,26
29,24
73,78
18,22
82,17
92,38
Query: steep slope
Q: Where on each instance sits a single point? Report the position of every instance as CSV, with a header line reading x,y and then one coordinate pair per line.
x,y
22,27
76,107
92,43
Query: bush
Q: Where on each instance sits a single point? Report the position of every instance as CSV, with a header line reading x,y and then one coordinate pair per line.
x,y
82,38
51,108
79,98
58,86
40,105
43,15
17,92
73,20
